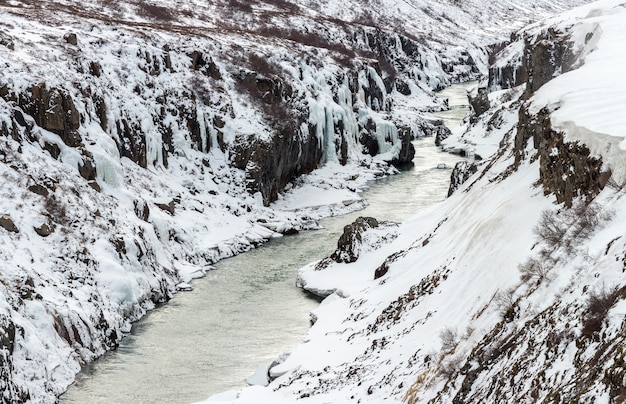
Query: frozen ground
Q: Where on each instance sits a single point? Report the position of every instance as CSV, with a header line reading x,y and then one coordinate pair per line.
x,y
479,301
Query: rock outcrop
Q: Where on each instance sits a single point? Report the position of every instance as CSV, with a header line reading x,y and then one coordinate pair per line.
x,y
147,129
479,102
460,173
349,244
567,169
54,110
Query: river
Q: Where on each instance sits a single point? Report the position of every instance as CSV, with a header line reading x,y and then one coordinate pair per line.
x,y
248,310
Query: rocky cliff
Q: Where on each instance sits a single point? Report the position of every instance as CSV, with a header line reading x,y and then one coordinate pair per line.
x,y
512,290
140,142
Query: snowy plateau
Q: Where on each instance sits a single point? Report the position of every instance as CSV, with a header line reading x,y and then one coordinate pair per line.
x,y
140,142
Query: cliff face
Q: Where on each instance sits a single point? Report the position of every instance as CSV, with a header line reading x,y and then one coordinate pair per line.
x,y
513,289
140,142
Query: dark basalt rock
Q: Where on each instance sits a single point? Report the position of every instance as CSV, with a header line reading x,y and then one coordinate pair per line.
x,y
441,132
461,172
45,229
7,223
87,169
199,62
407,152
566,169
53,110
350,241
480,102
53,149
71,38
11,390
436,128
169,208
546,58
271,165
132,142
367,139
39,190
142,210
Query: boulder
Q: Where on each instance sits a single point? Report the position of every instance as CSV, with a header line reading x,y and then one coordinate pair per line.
x,y
348,245
39,190
71,38
7,223
45,229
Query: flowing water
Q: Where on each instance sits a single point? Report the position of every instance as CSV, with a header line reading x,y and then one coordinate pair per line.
x,y
248,310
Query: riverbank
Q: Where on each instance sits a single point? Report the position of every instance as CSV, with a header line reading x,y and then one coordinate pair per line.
x,y
248,310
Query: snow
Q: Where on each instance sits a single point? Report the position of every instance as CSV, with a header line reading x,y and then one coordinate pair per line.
x,y
589,101
114,254
456,268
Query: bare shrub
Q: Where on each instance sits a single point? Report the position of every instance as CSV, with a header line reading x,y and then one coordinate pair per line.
x,y
260,64
613,183
242,6
506,303
568,227
450,366
449,339
366,18
550,229
412,394
598,305
155,12
533,269
587,217
56,210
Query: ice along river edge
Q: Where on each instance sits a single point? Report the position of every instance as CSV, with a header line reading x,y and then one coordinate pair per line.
x,y
249,310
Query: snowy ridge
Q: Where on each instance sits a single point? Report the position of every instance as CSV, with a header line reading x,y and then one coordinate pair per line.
x,y
142,142
499,294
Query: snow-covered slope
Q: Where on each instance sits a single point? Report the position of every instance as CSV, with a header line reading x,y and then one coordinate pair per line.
x,y
513,289
140,142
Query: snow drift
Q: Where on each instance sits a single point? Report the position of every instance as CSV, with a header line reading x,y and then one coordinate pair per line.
x,y
513,289
140,142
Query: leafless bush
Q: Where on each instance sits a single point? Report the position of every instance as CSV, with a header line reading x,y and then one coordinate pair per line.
x,y
366,18
505,302
242,6
56,210
587,218
598,305
550,229
613,183
260,64
533,269
450,366
283,5
568,227
449,339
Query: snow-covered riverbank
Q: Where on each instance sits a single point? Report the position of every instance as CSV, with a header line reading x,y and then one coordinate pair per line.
x,y
141,142
246,311
513,289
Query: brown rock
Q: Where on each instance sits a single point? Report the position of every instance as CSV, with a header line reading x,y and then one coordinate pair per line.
x,y
71,38
7,223
45,229
39,190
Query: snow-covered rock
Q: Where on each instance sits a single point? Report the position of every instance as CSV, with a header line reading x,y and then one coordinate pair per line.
x,y
513,289
142,141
